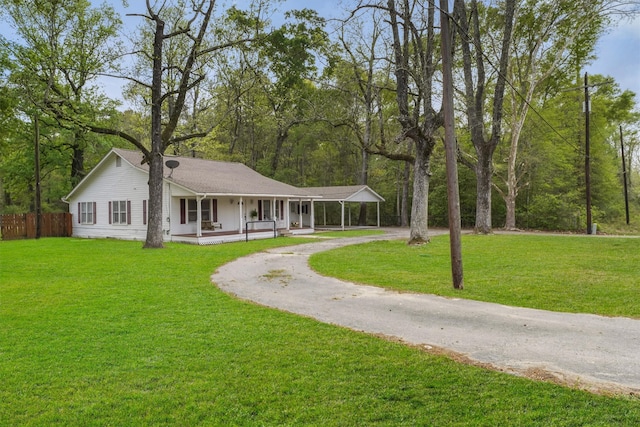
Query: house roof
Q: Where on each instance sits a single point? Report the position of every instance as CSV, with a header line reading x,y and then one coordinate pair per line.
x,y
213,177
346,193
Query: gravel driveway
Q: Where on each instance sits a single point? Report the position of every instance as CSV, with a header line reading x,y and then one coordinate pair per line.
x,y
581,350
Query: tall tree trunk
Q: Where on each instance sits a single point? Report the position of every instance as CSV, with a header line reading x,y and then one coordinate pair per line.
x,y
154,225
475,100
364,177
283,133
512,173
419,232
77,163
154,158
484,173
406,182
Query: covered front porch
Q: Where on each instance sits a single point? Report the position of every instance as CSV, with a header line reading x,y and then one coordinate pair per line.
x,y
211,219
217,237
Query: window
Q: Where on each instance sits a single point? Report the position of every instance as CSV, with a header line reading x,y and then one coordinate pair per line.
x,y
264,209
295,208
87,212
120,212
192,210
214,214
189,210
205,209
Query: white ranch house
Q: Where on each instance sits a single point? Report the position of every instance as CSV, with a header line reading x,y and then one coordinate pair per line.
x,y
204,201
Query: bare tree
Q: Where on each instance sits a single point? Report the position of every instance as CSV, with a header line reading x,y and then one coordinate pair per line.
x,y
414,46
476,82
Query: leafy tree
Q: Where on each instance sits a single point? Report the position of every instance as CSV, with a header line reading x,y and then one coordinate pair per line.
x,y
553,153
551,41
476,62
62,48
414,62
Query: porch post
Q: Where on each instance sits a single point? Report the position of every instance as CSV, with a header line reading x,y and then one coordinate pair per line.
x,y
198,217
241,228
313,215
324,212
273,212
349,214
378,209
287,219
342,215
300,216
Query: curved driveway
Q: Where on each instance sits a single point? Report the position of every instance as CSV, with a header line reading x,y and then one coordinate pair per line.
x,y
581,350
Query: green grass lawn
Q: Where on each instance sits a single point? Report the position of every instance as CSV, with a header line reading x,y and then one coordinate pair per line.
x,y
102,332
561,273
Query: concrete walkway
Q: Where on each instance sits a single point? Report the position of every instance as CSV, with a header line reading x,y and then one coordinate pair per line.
x,y
585,351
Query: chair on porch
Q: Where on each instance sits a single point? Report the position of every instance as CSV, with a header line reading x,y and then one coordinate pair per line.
x,y
208,225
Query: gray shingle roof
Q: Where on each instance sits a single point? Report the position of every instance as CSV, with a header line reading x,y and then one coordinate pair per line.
x,y
344,193
215,177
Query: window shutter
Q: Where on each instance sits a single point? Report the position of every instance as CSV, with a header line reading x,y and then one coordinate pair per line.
x,y
214,214
144,212
260,210
183,211
110,213
95,212
79,213
128,211
281,209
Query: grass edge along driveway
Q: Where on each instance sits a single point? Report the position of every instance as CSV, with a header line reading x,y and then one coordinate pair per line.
x,y
575,274
101,332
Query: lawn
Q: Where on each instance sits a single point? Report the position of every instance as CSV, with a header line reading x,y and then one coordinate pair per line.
x,y
599,275
102,332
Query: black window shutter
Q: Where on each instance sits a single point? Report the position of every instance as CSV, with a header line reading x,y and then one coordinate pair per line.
x,y
183,211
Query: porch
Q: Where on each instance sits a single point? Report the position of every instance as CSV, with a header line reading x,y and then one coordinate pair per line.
x,y
214,237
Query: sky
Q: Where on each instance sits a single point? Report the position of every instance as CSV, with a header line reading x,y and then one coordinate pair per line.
x,y
619,56
618,51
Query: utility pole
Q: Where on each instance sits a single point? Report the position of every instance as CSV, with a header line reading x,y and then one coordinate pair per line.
x,y
450,148
587,149
587,156
624,178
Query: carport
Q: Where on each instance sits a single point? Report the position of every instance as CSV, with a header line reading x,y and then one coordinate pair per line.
x,y
345,195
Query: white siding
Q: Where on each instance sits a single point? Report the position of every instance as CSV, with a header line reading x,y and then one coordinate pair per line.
x,y
108,184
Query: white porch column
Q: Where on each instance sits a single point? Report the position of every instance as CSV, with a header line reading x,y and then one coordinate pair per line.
x,y
341,215
287,217
324,212
313,215
198,216
378,208
240,216
349,214
273,212
300,216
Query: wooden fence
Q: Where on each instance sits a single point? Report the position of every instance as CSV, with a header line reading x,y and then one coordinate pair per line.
x,y
23,226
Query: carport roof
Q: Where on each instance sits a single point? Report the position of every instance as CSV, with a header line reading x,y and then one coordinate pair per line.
x,y
346,193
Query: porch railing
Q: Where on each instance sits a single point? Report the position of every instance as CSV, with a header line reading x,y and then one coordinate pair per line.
x,y
246,228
